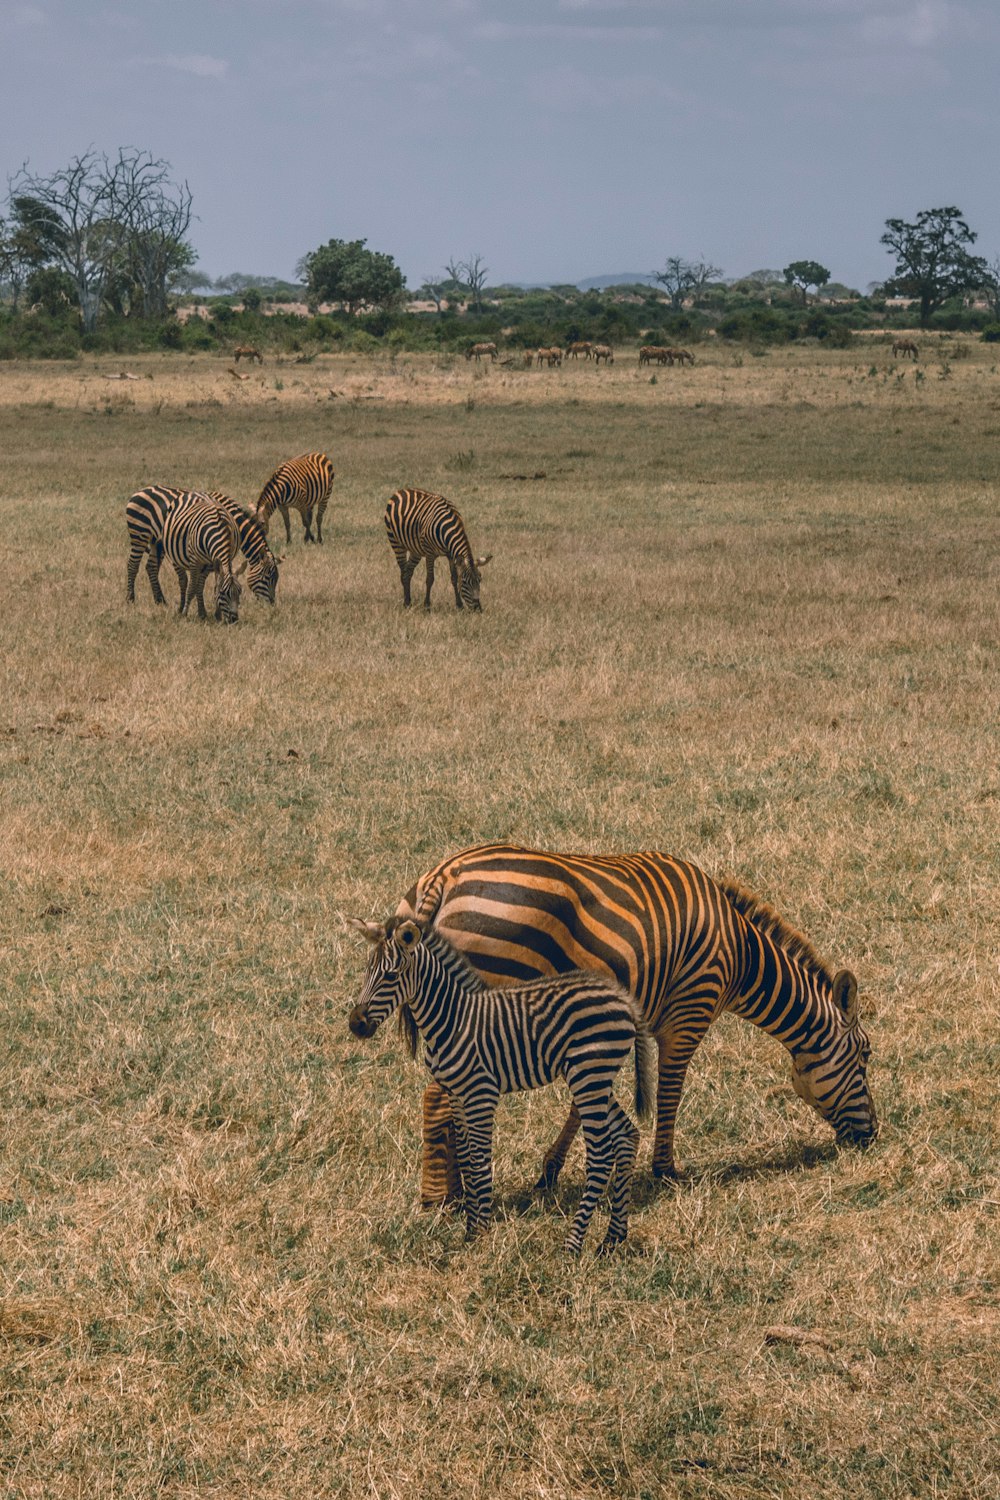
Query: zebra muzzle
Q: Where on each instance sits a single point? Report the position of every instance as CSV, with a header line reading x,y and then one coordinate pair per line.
x,y
359,1024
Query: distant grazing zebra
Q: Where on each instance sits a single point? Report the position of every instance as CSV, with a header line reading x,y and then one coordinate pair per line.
x,y
305,483
200,537
248,351
680,357
422,524
905,347
654,354
605,352
689,948
582,346
481,1043
550,357
478,350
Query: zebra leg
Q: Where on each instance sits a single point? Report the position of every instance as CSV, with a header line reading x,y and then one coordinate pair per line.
x,y
134,559
454,584
676,1048
555,1157
320,511
153,572
625,1139
198,577
430,581
307,535
288,524
182,579
406,567
594,1114
440,1180
475,1160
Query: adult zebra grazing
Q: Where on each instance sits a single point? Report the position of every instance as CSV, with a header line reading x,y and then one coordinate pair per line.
x,y
907,348
247,351
686,946
603,351
305,483
581,346
680,356
478,350
145,513
422,524
481,1043
200,537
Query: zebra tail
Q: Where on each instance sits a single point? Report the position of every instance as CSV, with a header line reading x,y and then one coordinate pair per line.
x,y
646,1069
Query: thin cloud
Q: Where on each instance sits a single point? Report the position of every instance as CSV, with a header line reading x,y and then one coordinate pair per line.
x,y
505,31
198,64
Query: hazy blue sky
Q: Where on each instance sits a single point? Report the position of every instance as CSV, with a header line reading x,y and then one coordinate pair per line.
x,y
557,138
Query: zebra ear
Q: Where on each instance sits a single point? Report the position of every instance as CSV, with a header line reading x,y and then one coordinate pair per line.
x,y
374,932
407,935
240,571
845,994
482,561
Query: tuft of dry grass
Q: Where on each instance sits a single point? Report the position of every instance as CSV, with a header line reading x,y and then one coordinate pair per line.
x,y
749,617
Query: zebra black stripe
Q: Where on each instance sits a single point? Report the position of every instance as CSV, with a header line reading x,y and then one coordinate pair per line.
x,y
200,537
481,1043
686,946
305,483
424,525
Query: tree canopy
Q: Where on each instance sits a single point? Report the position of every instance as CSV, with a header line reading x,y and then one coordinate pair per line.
x,y
685,278
932,261
345,271
804,274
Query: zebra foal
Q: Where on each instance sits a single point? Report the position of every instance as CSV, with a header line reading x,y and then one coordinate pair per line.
x,y
424,525
481,1043
199,538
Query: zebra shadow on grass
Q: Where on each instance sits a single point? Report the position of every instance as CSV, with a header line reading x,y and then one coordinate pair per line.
x,y
647,1189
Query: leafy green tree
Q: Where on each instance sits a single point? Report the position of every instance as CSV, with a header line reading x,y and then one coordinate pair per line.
x,y
932,261
344,271
804,274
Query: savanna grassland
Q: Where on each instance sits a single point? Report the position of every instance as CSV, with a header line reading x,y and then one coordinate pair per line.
x,y
748,616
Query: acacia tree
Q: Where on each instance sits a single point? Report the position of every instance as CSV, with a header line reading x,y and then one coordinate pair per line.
x,y
804,274
344,271
685,278
470,275
932,262
155,215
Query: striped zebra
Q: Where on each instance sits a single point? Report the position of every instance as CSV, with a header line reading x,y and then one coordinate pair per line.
x,y
581,346
478,350
481,1043
603,351
305,483
200,537
145,513
248,351
689,948
421,524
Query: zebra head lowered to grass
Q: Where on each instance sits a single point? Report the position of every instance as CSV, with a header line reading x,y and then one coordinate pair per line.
x,y
689,948
481,1043
421,524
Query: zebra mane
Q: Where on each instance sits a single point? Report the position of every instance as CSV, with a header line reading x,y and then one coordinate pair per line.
x,y
767,920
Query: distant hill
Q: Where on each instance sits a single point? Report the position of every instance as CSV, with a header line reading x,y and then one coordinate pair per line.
x,y
621,278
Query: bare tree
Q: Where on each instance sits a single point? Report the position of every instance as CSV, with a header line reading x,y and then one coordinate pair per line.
x,y
471,275
155,215
685,278
99,218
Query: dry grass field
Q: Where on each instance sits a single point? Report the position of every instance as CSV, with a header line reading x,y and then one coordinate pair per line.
x,y
745,613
